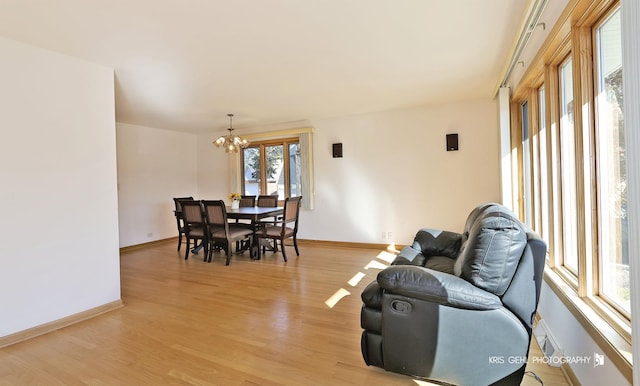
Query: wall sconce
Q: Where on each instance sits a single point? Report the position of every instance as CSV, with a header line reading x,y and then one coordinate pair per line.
x,y
452,142
337,150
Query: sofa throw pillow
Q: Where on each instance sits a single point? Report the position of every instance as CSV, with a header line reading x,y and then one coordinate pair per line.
x,y
493,250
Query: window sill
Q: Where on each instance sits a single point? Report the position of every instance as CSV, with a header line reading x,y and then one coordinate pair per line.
x,y
614,344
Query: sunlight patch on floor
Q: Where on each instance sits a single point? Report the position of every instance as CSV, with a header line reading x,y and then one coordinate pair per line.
x,y
375,265
386,256
336,297
356,279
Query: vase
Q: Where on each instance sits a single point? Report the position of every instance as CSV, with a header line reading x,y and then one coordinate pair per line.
x,y
235,204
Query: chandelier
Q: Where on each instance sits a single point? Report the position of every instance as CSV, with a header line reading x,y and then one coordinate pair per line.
x,y
231,142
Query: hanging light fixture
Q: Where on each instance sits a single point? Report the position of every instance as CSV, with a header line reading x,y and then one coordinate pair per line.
x,y
231,143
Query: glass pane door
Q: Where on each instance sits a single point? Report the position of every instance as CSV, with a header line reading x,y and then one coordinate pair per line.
x,y
251,169
295,187
274,167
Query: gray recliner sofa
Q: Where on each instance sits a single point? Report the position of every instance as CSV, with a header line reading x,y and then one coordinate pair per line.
x,y
458,307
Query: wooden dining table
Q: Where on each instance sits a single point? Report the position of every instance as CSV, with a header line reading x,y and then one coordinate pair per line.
x,y
255,214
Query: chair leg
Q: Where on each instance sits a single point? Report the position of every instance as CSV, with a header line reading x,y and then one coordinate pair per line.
x,y
228,250
273,248
284,253
295,244
186,253
179,240
251,251
257,246
249,244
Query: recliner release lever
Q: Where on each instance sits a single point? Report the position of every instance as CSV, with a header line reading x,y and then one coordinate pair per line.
x,y
401,306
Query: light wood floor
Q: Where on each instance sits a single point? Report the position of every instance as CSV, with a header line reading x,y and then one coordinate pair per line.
x,y
251,323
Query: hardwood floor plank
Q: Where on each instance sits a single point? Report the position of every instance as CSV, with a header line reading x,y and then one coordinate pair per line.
x,y
263,322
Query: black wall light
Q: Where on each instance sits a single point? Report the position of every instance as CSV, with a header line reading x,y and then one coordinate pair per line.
x,y
337,150
452,142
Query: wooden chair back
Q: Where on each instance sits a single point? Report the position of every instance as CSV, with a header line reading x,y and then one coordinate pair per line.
x,y
267,201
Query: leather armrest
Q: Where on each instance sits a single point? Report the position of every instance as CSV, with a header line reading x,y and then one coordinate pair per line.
x,y
409,256
372,295
434,242
436,287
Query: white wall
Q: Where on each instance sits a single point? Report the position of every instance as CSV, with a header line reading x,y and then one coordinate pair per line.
x,y
396,175
154,166
214,178
59,226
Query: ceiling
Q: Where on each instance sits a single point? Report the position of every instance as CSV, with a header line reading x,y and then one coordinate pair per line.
x,y
184,64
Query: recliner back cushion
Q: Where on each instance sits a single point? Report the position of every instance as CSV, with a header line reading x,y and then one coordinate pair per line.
x,y
493,249
473,216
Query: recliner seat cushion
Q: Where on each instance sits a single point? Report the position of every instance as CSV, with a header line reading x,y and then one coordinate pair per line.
x,y
440,263
492,251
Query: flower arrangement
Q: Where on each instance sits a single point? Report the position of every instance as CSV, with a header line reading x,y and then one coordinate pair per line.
x,y
235,196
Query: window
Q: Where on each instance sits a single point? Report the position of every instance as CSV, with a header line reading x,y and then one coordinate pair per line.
x,y
526,164
272,168
555,243
295,181
611,165
573,170
568,168
543,200
276,162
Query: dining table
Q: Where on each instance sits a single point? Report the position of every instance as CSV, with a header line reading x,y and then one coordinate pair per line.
x,y
255,214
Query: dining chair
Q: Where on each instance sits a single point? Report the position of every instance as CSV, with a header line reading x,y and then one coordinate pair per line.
x,y
247,201
179,219
194,225
219,231
285,228
267,201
